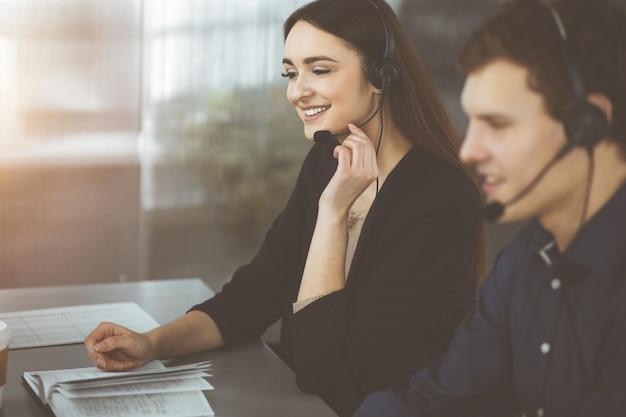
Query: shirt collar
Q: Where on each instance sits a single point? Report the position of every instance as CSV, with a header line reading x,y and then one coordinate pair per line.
x,y
595,246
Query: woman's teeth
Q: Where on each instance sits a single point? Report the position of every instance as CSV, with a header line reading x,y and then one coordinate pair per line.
x,y
313,112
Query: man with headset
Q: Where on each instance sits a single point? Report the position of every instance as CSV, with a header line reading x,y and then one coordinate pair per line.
x,y
545,94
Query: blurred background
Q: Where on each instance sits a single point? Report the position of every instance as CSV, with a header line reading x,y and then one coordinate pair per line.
x,y
151,139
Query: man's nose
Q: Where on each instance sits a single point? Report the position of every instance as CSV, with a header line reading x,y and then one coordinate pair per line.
x,y
473,148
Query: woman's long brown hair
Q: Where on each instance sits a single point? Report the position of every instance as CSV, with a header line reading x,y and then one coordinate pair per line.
x,y
415,105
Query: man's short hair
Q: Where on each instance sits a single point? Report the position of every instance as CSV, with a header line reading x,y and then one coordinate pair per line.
x,y
526,33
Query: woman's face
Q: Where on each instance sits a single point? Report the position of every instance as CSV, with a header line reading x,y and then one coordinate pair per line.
x,y
327,85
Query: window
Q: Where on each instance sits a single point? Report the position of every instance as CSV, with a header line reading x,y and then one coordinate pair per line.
x,y
141,139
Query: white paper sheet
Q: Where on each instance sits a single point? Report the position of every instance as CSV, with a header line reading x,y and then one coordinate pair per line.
x,y
180,404
66,325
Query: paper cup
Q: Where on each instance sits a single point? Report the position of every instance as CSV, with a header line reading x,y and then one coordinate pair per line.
x,y
5,333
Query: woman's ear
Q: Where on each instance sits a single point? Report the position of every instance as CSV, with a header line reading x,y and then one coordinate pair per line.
x,y
604,103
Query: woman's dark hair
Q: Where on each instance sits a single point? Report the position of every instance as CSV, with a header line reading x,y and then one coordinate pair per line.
x,y
596,44
415,105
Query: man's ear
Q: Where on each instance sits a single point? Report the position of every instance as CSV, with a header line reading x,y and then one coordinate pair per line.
x,y
604,103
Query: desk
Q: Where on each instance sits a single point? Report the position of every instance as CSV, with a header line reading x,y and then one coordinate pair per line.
x,y
249,379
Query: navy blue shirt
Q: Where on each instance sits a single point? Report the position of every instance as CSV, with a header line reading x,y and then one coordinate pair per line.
x,y
547,336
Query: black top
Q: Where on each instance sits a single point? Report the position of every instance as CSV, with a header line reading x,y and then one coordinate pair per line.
x,y
548,335
409,286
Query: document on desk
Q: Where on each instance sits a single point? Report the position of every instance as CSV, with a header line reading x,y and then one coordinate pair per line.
x,y
152,390
66,325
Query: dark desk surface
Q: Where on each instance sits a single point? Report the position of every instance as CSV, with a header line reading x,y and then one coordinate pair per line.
x,y
250,380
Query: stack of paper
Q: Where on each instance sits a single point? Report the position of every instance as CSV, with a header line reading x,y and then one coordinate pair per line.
x,y
152,390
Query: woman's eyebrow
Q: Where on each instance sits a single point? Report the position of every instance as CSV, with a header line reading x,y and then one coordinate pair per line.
x,y
311,59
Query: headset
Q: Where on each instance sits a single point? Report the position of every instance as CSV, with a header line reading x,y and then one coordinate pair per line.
x,y
384,71
587,124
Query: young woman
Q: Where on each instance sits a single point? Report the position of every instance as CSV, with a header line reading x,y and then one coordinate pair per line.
x,y
374,260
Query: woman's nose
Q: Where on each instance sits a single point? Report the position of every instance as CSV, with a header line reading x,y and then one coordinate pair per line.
x,y
299,88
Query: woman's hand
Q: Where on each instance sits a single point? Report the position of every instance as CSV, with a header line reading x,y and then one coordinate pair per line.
x,y
115,348
357,169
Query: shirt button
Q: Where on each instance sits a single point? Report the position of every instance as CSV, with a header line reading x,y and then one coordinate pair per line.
x,y
545,348
555,283
540,412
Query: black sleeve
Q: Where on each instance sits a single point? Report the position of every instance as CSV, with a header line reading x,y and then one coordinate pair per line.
x,y
260,292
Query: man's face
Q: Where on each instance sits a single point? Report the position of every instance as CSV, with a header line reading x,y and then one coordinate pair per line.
x,y
511,138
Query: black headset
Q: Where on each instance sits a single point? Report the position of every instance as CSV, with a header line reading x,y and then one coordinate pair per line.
x,y
384,71
587,124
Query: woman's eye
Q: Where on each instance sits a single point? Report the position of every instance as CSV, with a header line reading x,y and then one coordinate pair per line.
x,y
289,74
320,71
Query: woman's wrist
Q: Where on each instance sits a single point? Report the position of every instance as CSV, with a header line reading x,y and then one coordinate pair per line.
x,y
155,344
332,214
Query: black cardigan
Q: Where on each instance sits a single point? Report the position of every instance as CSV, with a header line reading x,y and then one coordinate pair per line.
x,y
410,283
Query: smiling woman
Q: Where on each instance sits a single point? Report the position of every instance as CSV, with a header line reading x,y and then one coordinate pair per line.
x,y
374,260
327,73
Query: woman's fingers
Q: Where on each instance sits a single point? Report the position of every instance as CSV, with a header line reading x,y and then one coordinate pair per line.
x,y
357,168
362,152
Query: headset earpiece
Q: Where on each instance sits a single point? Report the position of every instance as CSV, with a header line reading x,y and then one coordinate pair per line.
x,y
383,72
586,126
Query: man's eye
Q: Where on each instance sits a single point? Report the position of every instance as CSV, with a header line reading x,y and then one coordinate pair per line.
x,y
498,125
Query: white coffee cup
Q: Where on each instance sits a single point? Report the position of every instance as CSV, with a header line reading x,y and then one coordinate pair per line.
x,y
5,333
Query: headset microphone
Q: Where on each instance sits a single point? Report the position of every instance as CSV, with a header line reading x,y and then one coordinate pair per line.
x,y
324,136
493,211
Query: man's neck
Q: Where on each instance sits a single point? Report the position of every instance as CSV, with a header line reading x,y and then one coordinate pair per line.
x,y
608,176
